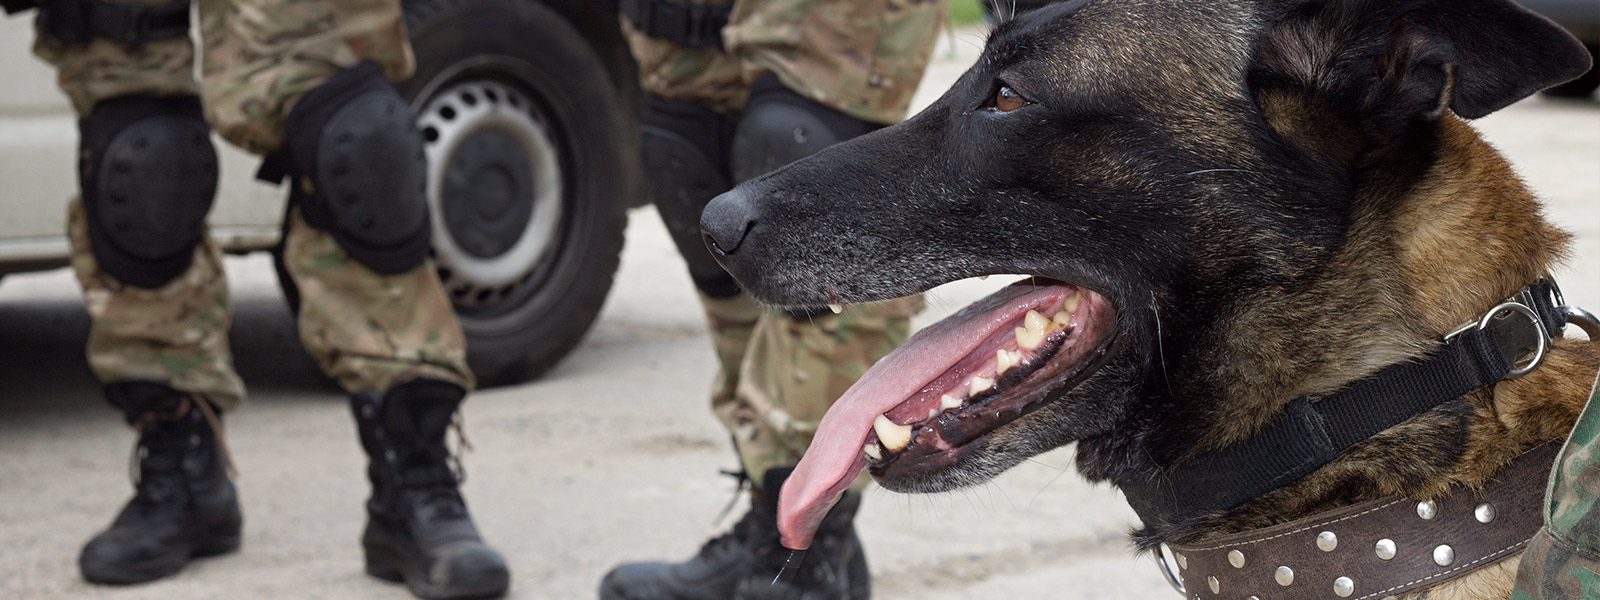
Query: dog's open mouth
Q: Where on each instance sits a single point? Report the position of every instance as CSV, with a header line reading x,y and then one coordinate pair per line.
x,y
951,383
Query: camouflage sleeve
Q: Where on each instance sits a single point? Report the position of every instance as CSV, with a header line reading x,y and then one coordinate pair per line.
x,y
1563,559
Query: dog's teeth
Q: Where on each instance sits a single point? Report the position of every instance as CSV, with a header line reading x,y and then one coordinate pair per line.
x,y
836,308
933,412
948,402
892,435
1071,303
1061,320
1028,340
979,385
1002,362
1035,322
872,451
982,277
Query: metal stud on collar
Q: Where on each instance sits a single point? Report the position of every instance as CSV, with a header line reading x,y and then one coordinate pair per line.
x,y
1444,555
1344,586
1327,541
1385,549
1427,510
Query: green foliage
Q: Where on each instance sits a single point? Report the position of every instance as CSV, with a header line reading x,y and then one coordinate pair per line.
x,y
966,12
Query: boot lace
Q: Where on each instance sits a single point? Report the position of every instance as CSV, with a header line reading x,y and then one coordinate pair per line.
x,y
732,539
155,463
435,474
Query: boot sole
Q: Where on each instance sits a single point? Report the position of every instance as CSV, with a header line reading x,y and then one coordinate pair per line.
x,y
394,566
105,573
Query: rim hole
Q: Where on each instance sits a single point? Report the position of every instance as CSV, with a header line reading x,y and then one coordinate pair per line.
x,y
469,99
430,134
448,113
491,95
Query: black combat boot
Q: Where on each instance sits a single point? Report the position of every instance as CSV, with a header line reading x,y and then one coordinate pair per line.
x,y
418,530
184,506
743,562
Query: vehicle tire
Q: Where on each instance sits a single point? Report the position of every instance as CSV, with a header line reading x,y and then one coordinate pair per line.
x,y
1581,87
524,134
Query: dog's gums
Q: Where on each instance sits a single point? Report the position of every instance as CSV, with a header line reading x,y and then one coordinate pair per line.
x,y
916,410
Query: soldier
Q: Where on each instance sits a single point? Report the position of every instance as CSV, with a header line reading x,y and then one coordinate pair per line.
x,y
735,89
307,85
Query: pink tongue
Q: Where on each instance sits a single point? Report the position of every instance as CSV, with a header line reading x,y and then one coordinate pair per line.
x,y
835,457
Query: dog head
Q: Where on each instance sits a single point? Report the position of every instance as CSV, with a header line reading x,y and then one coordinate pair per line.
x,y
1168,172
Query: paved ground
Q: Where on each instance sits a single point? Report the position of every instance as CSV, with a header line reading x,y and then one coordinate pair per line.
x,y
612,456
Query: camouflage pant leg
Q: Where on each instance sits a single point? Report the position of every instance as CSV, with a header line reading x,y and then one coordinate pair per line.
x,y
793,369
262,55
862,57
1563,560
177,334
370,331
732,322
710,77
101,70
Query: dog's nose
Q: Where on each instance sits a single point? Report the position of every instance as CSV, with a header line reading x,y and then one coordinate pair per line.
x,y
727,221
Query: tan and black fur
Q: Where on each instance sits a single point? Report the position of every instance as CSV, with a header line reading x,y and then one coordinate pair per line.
x,y
1280,197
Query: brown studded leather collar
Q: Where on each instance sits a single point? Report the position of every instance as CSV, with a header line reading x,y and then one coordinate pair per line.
x,y
1375,549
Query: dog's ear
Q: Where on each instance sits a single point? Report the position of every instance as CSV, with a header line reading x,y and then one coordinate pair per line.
x,y
1414,58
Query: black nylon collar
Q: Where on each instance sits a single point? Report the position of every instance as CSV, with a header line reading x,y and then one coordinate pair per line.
x,y
1311,432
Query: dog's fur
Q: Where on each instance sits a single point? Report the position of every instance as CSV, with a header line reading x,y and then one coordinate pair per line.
x,y
1279,198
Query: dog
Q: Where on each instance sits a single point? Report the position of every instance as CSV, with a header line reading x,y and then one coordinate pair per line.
x,y
1224,205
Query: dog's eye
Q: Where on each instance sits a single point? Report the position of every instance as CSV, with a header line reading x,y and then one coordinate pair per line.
x,y
1007,99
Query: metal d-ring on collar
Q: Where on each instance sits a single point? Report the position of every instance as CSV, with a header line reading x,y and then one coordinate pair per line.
x,y
1513,306
1173,579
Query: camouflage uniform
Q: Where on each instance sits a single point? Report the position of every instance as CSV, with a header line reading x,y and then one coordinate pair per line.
x,y
1563,560
366,330
779,374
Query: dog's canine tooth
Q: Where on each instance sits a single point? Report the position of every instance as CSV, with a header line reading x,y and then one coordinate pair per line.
x,y
1028,340
893,436
1002,362
979,385
948,402
872,451
836,308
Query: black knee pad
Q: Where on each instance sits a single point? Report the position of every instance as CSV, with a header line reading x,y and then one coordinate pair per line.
x,y
780,126
358,169
685,151
148,172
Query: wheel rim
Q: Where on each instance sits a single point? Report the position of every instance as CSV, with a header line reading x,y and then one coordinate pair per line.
x,y
493,157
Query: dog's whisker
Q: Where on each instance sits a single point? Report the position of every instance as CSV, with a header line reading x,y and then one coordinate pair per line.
x,y
1047,484
1161,350
1205,171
